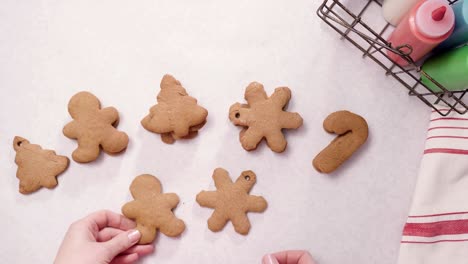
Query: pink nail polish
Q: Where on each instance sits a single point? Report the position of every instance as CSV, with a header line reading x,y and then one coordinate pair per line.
x,y
134,236
269,259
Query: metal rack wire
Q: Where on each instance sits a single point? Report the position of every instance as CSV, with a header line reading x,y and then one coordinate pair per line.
x,y
352,27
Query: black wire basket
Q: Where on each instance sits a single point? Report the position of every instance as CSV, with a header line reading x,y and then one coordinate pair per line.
x,y
350,24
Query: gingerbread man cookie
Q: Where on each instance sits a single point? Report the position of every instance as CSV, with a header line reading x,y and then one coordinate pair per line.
x,y
177,115
152,210
264,117
93,128
37,167
231,201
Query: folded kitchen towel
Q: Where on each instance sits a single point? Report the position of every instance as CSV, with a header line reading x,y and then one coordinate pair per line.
x,y
437,227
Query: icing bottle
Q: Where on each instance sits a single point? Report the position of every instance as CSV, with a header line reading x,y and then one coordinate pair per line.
x,y
395,10
460,33
450,69
426,25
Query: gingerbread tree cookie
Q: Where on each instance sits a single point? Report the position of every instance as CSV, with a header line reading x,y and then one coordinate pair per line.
x,y
37,167
152,210
93,127
231,201
264,117
177,115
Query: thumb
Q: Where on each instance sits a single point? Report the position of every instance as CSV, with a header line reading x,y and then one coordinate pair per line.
x,y
122,242
269,259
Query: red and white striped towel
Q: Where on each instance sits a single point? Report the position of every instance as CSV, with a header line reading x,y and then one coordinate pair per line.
x,y
437,227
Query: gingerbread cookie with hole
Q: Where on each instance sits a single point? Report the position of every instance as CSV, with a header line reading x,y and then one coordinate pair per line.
x,y
37,167
352,131
94,128
177,115
264,117
152,209
231,201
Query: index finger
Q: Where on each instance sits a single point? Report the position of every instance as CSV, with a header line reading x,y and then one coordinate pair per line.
x,y
106,218
293,257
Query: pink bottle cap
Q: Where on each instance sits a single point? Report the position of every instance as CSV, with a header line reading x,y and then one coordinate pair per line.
x,y
434,18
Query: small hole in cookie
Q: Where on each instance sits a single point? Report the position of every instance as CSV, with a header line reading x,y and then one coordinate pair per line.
x,y
19,143
247,177
237,115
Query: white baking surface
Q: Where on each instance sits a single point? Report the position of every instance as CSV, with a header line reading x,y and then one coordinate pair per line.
x,y
119,50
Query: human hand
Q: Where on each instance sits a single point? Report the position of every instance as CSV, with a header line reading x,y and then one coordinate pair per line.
x,y
289,257
103,237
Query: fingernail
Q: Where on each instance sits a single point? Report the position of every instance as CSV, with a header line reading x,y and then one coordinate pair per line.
x,y
134,236
269,259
